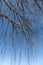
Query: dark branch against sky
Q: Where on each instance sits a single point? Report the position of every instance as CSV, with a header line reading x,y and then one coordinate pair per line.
x,y
20,24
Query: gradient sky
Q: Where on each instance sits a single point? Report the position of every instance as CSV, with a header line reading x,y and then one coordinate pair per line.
x,y
8,58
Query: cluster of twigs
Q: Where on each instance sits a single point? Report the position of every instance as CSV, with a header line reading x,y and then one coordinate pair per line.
x,y
21,24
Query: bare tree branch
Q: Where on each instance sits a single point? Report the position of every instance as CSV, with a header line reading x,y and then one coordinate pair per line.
x,y
22,20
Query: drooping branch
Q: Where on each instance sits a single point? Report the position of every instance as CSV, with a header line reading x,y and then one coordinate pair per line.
x,y
24,23
21,22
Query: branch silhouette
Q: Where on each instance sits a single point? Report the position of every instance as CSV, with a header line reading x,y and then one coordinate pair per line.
x,y
22,17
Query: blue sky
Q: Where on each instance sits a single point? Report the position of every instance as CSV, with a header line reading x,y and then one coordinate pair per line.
x,y
21,52
37,60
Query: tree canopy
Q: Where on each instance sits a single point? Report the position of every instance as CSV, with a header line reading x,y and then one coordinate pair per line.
x,y
20,18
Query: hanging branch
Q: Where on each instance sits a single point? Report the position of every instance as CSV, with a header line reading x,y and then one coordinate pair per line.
x,y
22,23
